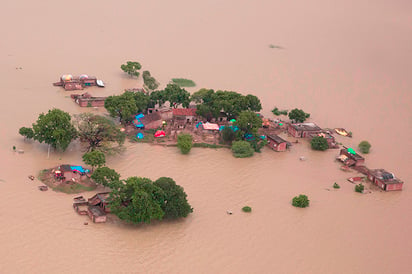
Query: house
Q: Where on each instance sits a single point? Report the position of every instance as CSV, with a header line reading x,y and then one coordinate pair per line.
x,y
186,114
385,180
276,143
303,130
329,138
96,214
68,82
100,200
86,100
165,113
70,173
350,158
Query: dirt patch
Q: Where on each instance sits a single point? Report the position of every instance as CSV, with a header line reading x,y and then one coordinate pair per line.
x,y
46,176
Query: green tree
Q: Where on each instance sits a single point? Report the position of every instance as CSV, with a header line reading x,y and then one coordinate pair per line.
x,y
142,101
98,131
298,115
228,135
94,158
175,199
319,143
248,122
107,177
247,209
131,68
300,201
242,149
149,81
278,112
257,143
177,96
54,128
122,106
364,147
359,188
335,185
158,97
26,132
203,95
184,142
137,200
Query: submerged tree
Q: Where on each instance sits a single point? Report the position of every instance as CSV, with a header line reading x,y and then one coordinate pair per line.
x,y
175,199
149,81
319,143
107,177
298,115
94,158
98,131
54,128
242,149
131,68
364,147
184,142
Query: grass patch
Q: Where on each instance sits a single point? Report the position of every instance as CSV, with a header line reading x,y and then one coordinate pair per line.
x,y
182,82
247,209
73,188
336,186
209,145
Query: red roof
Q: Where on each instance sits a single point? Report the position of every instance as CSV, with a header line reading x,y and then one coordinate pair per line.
x,y
184,112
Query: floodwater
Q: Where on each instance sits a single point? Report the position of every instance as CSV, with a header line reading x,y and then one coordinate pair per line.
x,y
347,63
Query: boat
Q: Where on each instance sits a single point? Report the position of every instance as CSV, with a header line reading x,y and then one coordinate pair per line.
x,y
354,180
343,132
100,83
43,188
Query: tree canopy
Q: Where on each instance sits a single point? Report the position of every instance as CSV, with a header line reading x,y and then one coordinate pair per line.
x,y
242,149
228,135
54,128
229,103
149,81
131,68
364,147
248,122
184,142
94,158
98,131
298,115
319,143
177,95
107,177
175,199
124,106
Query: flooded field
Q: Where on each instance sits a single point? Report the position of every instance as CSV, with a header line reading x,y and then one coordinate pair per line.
x,y
348,64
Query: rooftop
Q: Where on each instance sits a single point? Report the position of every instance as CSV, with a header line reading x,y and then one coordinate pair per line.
x,y
306,127
184,111
96,211
276,138
385,176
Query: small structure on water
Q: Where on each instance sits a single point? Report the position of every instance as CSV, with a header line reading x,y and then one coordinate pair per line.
x,y
95,207
350,158
385,180
303,130
86,100
100,200
69,82
96,214
277,143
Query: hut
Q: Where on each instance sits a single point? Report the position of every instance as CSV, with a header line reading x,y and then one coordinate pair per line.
x,y
165,113
350,158
186,114
100,200
86,100
303,130
276,143
96,214
385,180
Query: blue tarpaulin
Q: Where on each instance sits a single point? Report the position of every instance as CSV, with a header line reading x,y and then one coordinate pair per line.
x,y
221,128
138,116
139,135
77,168
199,124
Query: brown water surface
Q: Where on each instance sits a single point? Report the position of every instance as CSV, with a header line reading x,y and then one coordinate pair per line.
x,y
347,63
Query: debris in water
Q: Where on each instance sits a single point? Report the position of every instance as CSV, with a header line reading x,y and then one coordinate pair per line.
x,y
43,188
31,177
85,223
302,158
229,212
20,151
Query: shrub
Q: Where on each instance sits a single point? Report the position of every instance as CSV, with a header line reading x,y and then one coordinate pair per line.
x,y
228,135
181,82
359,188
319,143
242,149
335,185
184,142
278,112
300,201
364,147
247,209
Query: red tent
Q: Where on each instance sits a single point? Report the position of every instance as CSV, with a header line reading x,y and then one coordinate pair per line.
x,y
160,133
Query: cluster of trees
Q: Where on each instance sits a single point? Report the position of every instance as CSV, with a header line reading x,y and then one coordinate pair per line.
x,y
57,129
298,115
149,81
140,200
213,104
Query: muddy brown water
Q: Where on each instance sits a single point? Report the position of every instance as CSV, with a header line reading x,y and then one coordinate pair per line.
x,y
348,64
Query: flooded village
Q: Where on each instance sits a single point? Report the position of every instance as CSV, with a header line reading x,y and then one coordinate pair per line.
x,y
170,183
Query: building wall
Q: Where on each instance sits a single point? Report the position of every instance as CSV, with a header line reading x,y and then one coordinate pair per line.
x,y
391,187
275,146
292,131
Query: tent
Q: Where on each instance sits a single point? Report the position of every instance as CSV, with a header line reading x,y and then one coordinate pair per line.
x,y
160,133
78,168
138,116
139,135
351,151
199,124
233,120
